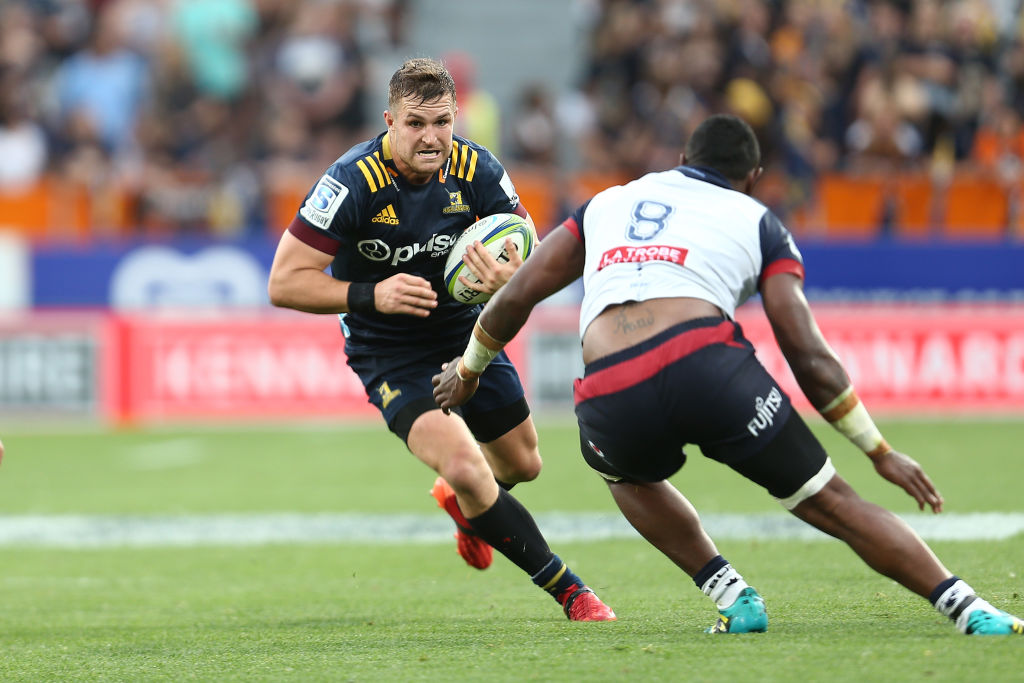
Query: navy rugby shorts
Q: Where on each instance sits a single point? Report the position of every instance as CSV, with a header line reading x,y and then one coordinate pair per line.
x,y
397,381
695,383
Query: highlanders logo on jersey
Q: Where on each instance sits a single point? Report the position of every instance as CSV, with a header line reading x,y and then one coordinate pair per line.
x,y
456,205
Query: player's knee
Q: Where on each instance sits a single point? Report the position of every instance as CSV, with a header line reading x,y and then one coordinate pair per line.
x,y
464,469
528,468
830,505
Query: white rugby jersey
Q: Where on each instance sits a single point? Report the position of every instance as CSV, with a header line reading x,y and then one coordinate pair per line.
x,y
678,233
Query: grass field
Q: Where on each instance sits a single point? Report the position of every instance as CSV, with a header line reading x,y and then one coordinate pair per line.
x,y
388,611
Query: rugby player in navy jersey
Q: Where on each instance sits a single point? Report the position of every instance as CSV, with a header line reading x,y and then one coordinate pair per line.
x,y
665,261
384,217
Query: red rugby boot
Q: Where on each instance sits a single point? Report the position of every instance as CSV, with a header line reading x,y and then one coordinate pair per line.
x,y
473,549
582,604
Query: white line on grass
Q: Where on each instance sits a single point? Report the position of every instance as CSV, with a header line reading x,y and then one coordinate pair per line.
x,y
97,531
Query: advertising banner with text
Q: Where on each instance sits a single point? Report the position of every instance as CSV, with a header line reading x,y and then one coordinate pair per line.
x,y
288,365
912,360
916,359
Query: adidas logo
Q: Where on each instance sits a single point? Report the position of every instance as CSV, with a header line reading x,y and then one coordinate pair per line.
x,y
386,215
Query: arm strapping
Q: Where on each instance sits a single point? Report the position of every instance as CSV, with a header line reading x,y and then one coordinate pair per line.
x,y
850,418
480,351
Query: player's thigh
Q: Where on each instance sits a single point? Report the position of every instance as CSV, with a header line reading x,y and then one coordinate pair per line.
x,y
445,444
793,466
625,435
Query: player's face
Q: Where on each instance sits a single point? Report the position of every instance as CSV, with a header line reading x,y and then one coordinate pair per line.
x,y
421,136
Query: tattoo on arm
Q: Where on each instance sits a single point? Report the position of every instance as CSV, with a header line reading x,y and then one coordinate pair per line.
x,y
627,321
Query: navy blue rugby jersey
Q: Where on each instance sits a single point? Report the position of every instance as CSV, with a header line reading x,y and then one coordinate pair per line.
x,y
376,224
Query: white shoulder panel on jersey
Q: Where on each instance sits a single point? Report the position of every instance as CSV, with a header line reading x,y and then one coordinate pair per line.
x,y
509,188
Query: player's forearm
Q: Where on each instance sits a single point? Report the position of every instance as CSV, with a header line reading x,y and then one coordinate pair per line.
x,y
849,417
308,290
824,381
819,373
507,316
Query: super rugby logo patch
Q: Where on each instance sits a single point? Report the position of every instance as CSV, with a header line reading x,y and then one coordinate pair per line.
x,y
323,202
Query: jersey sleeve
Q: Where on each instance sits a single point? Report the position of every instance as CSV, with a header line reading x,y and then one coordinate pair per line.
x,y
574,223
328,210
778,250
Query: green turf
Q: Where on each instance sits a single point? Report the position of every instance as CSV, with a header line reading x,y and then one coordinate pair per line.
x,y
385,613
365,469
345,612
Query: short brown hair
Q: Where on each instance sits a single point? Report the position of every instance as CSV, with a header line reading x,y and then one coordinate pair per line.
x,y
422,78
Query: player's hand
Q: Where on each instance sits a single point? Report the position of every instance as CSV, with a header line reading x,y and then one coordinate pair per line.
x,y
492,274
405,293
904,471
449,390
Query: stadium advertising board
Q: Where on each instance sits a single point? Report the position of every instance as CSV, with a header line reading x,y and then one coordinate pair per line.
x,y
49,364
263,366
942,359
200,273
916,359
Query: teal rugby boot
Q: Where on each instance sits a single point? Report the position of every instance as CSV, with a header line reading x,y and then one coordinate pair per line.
x,y
746,615
984,623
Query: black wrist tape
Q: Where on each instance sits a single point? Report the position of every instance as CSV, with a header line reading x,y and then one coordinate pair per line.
x,y
360,297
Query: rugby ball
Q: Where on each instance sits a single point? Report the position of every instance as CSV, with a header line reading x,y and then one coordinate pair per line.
x,y
491,232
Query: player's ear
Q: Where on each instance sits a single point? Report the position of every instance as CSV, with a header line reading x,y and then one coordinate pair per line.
x,y
752,177
389,120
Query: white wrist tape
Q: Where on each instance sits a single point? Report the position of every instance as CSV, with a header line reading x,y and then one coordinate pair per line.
x,y
480,351
850,418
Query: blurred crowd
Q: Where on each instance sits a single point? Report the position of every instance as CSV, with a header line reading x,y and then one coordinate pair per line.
x,y
190,108
194,108
859,86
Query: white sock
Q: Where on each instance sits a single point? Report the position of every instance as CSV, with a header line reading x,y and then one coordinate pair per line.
x,y
974,606
724,587
958,602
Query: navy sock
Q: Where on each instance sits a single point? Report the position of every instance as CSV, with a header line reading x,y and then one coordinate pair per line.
x,y
510,529
556,577
709,570
942,588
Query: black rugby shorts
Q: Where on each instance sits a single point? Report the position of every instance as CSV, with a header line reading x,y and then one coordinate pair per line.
x,y
397,382
695,383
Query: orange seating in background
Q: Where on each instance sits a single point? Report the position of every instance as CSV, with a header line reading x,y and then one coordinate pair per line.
x,y
27,210
975,206
851,206
283,202
968,206
914,205
60,211
590,183
537,194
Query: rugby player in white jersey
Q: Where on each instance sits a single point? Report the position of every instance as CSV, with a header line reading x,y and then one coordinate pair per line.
x,y
665,261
